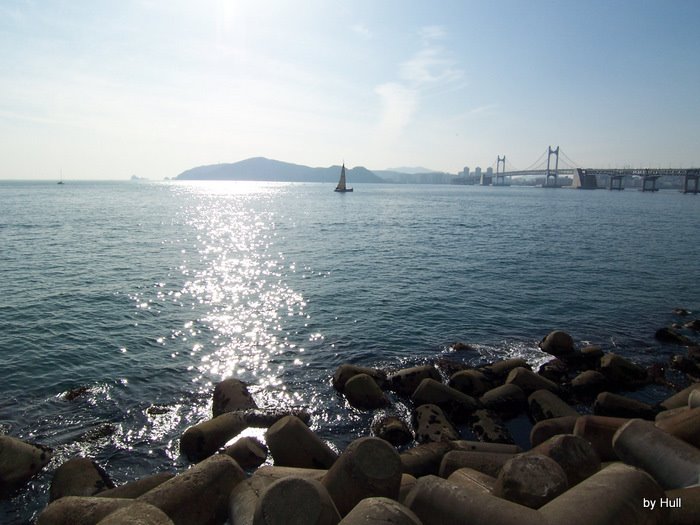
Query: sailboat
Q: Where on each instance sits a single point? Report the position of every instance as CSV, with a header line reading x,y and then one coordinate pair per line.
x,y
342,187
61,180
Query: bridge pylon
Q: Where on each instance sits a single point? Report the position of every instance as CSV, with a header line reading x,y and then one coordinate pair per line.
x,y
500,175
549,172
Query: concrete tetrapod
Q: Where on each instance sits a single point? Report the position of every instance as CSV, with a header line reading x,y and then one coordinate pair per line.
x,y
80,510
437,501
295,501
368,467
672,462
202,440
612,496
531,480
293,444
19,461
78,477
380,511
198,495
137,514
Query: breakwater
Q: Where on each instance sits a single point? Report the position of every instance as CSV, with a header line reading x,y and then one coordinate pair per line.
x,y
592,445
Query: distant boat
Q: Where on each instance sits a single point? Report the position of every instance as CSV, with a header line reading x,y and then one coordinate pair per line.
x,y
61,179
341,187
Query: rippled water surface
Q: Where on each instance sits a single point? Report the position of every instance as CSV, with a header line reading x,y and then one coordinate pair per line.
x,y
137,297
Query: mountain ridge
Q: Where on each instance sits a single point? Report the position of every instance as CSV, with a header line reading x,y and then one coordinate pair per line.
x,y
264,169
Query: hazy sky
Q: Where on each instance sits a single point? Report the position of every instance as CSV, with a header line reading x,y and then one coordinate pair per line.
x,y
106,90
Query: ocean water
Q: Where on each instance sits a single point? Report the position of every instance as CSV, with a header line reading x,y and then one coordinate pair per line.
x,y
138,297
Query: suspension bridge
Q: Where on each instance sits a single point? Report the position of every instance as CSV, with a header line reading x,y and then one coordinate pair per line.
x,y
585,178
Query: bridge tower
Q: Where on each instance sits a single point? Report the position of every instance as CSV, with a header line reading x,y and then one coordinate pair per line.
x,y
500,175
549,173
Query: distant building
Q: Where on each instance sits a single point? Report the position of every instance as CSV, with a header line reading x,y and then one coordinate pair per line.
x,y
477,172
489,171
465,172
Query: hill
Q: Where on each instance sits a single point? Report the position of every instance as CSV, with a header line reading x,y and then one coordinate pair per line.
x,y
260,168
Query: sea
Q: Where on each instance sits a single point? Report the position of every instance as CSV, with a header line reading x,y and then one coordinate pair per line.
x,y
123,303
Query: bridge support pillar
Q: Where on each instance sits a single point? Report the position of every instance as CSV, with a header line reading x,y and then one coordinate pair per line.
x,y
695,178
500,177
646,179
584,181
549,173
616,182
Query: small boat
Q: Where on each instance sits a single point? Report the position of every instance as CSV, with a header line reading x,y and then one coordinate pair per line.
x,y
341,187
61,179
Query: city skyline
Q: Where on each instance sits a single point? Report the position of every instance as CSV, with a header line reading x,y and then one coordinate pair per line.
x,y
107,91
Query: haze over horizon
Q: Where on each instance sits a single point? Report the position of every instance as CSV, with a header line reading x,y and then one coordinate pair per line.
x,y
103,90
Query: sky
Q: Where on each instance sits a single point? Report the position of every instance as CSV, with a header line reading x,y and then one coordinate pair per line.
x,y
106,90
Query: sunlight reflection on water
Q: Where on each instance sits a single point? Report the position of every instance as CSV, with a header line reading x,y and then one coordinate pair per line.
x,y
237,278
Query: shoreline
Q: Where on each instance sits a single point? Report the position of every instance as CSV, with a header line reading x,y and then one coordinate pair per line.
x,y
461,420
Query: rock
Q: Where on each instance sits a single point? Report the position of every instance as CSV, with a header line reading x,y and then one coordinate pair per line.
x,y
248,452
545,429
404,382
432,425
393,430
204,439
613,405
508,400
455,404
693,325
668,335
612,496
368,467
671,462
346,371
685,364
622,372
437,501
557,343
362,392
380,511
200,494
530,480
231,394
489,427
78,477
295,501
19,462
681,312
528,381
293,444
576,456
134,489
470,382
591,355
546,405
137,514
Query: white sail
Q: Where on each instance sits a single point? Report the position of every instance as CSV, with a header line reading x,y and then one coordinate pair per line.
x,y
341,187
